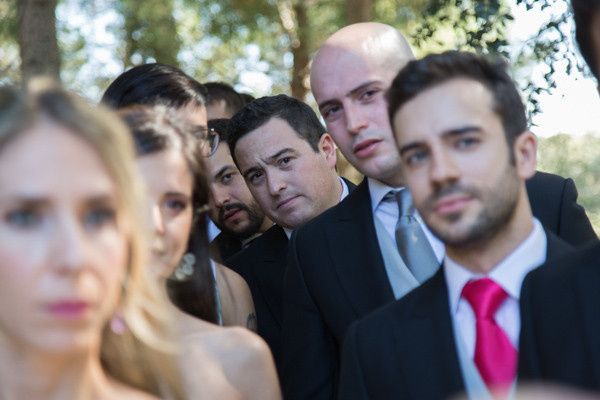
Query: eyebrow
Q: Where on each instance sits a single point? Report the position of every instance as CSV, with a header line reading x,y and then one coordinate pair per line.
x,y
449,133
224,169
351,93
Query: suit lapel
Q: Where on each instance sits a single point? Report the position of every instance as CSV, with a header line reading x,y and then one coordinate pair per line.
x,y
270,270
434,370
357,258
556,247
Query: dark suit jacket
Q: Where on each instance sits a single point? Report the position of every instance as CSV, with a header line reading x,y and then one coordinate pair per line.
x,y
336,275
407,349
223,247
553,201
262,265
560,337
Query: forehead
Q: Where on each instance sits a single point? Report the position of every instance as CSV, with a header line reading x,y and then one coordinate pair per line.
x,y
50,160
337,71
450,105
194,114
166,169
220,158
269,138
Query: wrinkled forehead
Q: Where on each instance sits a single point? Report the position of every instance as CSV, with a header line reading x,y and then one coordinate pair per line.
x,y
338,70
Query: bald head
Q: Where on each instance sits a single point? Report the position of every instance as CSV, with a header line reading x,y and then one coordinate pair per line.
x,y
349,76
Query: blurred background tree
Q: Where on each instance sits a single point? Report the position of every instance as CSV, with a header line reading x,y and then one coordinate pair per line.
x,y
264,46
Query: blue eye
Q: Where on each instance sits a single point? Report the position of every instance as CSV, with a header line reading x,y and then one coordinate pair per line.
x,y
23,218
99,217
174,204
415,157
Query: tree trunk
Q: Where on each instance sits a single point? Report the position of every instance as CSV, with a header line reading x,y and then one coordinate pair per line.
x,y
358,11
300,51
37,38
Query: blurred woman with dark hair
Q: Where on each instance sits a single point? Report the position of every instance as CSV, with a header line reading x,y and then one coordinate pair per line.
x,y
170,161
208,291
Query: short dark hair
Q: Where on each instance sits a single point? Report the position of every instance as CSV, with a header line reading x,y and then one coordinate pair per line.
x,y
435,69
297,114
154,84
217,91
219,126
584,12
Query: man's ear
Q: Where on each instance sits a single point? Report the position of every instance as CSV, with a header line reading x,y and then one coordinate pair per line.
x,y
327,147
525,151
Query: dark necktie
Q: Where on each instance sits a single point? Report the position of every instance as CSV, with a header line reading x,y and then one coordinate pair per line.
x,y
414,248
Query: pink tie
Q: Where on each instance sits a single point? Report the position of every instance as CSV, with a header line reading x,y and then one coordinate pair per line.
x,y
495,356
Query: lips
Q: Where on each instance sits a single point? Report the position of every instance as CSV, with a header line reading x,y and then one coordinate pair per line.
x,y
452,204
287,202
365,148
231,213
68,309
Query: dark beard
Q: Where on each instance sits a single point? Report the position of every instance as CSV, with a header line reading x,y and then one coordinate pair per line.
x,y
255,219
496,214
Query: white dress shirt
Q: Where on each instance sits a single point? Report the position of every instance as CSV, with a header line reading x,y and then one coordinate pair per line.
x,y
509,274
345,192
387,212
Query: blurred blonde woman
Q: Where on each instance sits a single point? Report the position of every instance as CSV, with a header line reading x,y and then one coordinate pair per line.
x,y
217,362
79,316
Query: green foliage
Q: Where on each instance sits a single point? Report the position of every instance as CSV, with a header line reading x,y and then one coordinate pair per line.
x,y
150,32
577,158
9,51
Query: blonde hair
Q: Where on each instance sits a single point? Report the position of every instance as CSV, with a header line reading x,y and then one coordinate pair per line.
x,y
145,355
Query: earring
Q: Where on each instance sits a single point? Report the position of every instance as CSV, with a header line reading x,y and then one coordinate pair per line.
x,y
185,269
118,324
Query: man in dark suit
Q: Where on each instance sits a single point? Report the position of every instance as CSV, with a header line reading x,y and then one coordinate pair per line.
x,y
466,152
560,341
337,271
288,161
232,207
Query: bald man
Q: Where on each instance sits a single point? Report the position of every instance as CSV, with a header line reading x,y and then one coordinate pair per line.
x,y
354,258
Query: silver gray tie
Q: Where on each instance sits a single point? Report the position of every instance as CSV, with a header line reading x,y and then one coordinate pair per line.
x,y
414,248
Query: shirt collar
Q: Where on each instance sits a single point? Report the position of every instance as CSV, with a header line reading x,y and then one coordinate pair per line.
x,y
509,273
345,192
378,190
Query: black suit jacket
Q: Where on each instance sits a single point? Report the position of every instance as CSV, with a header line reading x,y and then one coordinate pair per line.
x,y
262,265
407,349
223,247
336,275
560,337
553,201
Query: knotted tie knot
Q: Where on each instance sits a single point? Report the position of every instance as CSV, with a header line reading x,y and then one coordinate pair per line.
x,y
485,296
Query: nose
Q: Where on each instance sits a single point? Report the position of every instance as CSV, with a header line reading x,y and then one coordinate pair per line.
x,y
71,247
356,120
158,223
220,196
443,168
276,183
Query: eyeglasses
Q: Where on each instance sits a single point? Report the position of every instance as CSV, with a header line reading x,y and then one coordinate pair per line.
x,y
209,140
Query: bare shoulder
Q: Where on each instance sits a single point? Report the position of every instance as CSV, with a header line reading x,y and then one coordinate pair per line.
x,y
240,351
236,299
231,281
119,390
